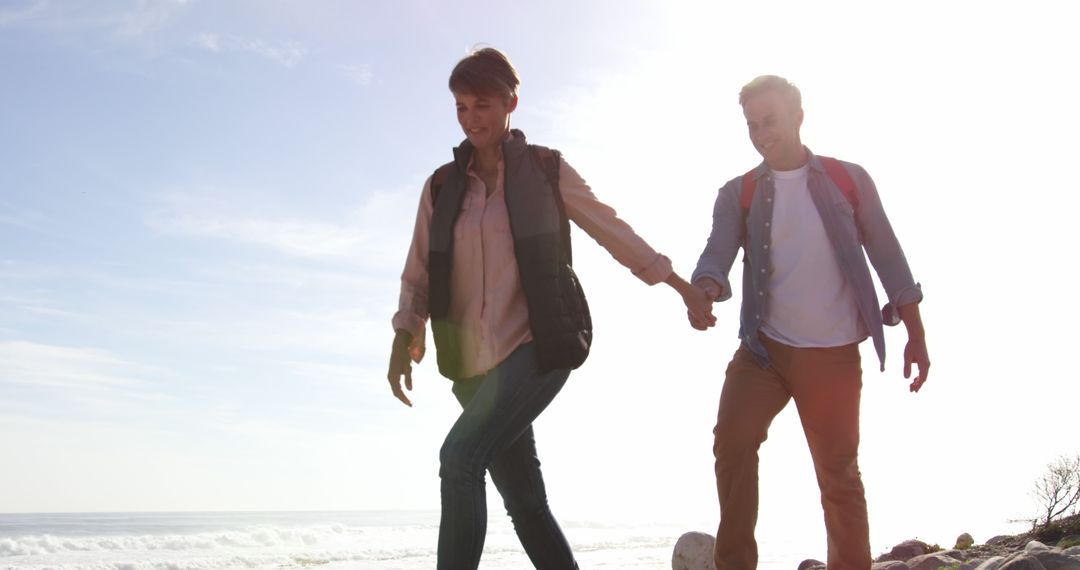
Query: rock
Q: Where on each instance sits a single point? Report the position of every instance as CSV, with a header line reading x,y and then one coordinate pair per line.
x,y
1069,541
1022,562
954,553
890,565
992,563
964,542
1052,560
905,551
1035,546
1072,551
810,564
999,539
693,551
932,561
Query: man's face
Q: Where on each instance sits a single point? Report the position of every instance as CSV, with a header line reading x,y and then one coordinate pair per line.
x,y
774,129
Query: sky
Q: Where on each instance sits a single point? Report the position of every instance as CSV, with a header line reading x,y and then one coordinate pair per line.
x,y
205,208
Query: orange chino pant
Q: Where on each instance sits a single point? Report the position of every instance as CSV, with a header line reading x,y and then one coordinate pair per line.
x,y
825,384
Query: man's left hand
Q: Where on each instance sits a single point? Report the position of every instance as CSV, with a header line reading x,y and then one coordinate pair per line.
x,y
915,352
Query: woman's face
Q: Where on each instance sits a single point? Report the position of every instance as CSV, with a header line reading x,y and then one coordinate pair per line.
x,y
484,118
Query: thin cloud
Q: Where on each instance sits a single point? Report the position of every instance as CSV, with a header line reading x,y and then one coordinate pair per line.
x,y
47,365
362,235
361,75
141,21
15,220
39,306
23,14
208,41
148,17
286,54
300,238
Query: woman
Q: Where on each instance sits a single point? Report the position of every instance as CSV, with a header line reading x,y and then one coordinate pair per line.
x,y
490,265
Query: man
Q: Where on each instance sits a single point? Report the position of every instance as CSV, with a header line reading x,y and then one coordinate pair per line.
x,y
808,301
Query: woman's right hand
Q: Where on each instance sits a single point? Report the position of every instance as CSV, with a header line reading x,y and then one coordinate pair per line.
x,y
400,365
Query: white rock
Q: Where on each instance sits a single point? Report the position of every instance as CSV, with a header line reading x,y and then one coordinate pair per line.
x,y
992,563
693,551
1035,546
889,565
931,561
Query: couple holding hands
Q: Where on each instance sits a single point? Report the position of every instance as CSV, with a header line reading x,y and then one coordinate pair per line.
x,y
490,266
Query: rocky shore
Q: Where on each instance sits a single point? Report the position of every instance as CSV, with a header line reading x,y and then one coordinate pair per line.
x,y
1052,547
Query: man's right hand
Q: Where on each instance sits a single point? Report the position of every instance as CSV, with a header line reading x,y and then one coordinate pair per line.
x,y
712,290
710,286
400,365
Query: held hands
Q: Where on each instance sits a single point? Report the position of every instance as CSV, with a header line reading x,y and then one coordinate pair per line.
x,y
400,365
698,303
708,290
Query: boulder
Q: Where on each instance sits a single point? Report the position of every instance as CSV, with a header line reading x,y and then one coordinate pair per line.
x,y
1054,560
992,563
693,551
1022,562
932,561
905,551
811,564
964,542
890,565
1035,546
954,553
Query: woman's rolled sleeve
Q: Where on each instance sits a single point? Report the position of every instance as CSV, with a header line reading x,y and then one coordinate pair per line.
x,y
602,223
412,310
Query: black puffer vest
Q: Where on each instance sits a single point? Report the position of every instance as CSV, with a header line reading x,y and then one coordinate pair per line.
x,y
558,313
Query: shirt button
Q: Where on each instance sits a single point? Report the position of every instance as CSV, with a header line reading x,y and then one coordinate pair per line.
x,y
768,199
767,224
766,246
761,293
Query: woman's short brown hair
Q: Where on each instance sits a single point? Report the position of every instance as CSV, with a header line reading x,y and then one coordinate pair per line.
x,y
485,72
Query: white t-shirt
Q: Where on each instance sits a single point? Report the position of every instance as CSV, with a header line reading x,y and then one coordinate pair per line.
x,y
810,304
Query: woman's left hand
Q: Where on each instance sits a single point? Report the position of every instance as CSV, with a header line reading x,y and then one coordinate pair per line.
x,y
698,302
698,307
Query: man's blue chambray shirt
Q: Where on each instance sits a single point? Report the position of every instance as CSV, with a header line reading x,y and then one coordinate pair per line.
x,y
848,230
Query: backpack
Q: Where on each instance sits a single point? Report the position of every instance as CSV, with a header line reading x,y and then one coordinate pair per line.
x,y
833,168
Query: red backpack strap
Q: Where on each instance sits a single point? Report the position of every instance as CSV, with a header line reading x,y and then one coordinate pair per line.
x,y
748,186
842,179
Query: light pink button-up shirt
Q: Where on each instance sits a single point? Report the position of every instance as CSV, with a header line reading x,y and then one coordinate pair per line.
x,y
486,296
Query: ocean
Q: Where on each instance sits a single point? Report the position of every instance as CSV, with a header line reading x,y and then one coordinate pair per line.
x,y
326,540
375,540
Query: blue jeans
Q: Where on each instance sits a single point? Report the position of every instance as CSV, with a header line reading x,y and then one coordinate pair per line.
x,y
494,433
